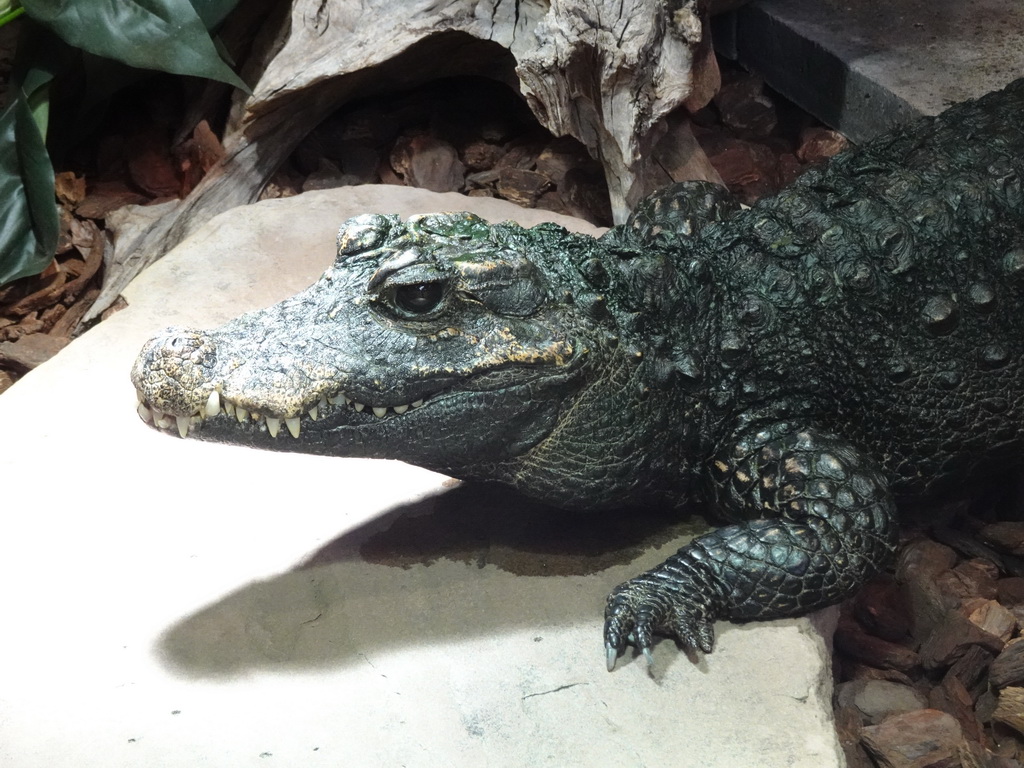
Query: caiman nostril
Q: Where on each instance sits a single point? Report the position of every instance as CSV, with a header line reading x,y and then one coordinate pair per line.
x,y
180,343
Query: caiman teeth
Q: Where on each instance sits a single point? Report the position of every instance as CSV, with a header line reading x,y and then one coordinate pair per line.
x,y
213,404
216,404
160,419
314,412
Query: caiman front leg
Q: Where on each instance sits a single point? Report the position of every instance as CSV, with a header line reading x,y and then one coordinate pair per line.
x,y
819,520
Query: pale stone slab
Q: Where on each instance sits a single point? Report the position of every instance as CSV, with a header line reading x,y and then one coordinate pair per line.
x,y
176,603
864,68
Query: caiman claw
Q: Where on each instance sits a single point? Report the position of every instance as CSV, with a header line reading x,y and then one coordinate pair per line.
x,y
642,607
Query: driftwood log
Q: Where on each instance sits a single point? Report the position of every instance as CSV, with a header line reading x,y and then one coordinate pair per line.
x,y
607,72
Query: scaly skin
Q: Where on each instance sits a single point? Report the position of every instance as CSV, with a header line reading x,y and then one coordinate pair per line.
x,y
801,365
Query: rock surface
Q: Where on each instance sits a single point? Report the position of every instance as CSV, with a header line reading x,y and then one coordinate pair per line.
x,y
923,738
877,699
941,635
212,603
863,68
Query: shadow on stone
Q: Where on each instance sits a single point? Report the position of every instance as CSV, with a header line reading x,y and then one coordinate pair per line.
x,y
481,525
419,575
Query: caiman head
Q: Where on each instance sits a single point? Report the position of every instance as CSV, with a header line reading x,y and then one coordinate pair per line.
x,y
478,350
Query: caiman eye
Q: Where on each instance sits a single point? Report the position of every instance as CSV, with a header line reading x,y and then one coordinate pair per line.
x,y
419,298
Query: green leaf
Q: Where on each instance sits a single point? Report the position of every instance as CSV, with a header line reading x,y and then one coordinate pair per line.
x,y
166,35
9,13
28,212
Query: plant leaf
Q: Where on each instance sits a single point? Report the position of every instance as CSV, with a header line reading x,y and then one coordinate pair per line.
x,y
9,13
28,212
166,35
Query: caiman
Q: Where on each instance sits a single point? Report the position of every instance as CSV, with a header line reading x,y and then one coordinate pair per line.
x,y
803,366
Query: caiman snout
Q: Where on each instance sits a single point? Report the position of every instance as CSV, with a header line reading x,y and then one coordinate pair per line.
x,y
175,369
